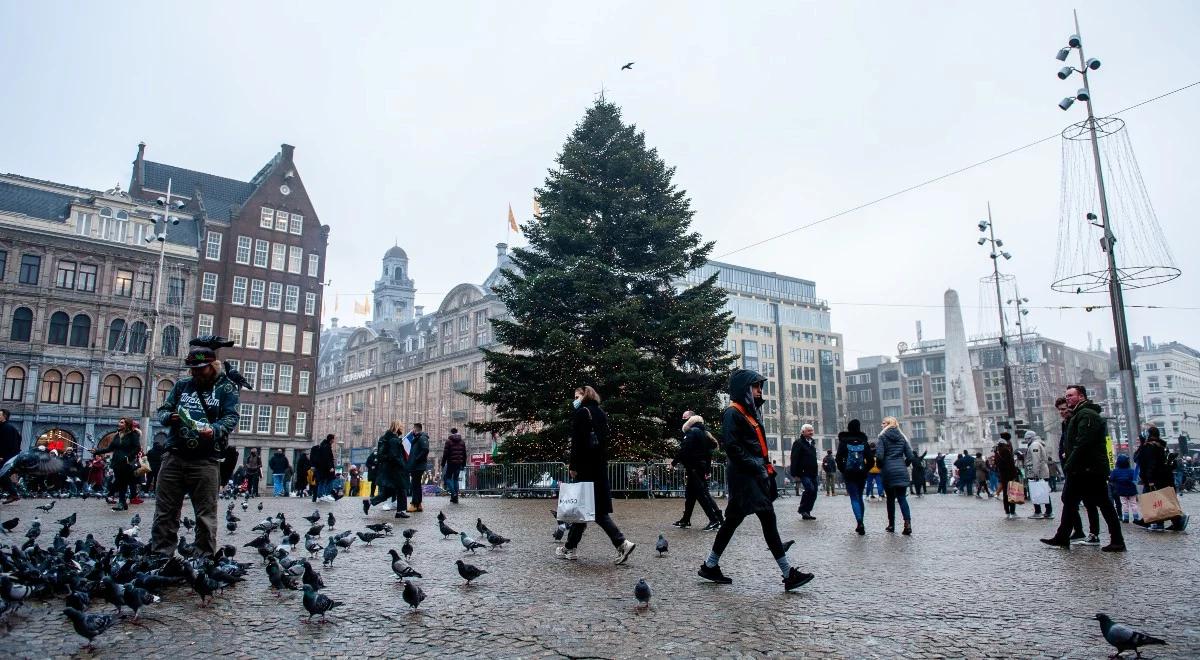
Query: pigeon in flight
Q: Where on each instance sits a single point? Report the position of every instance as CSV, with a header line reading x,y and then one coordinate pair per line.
x,y
661,545
413,594
642,593
1123,638
211,341
317,603
628,65
469,543
89,626
468,572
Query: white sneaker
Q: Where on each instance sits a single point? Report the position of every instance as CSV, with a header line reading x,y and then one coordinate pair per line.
x,y
623,552
386,506
327,498
563,553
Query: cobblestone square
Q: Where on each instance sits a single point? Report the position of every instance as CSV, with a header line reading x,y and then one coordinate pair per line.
x,y
966,584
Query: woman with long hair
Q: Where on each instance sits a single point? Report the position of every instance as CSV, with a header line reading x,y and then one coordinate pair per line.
x,y
1006,467
893,456
390,472
125,448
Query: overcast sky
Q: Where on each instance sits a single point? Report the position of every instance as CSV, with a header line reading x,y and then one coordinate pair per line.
x,y
420,124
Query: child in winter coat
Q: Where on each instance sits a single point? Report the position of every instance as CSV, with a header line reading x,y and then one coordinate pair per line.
x,y
1123,482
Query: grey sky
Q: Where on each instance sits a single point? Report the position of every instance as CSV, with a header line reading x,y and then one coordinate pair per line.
x,y
421,124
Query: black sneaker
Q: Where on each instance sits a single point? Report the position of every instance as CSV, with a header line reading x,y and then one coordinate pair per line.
x,y
1113,547
681,524
401,514
807,516
713,573
1092,539
713,526
861,529
366,506
1055,542
1075,538
796,578
787,545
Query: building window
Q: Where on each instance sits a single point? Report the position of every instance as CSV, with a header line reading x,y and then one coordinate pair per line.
x,y
306,343
14,384
264,419
1156,407
283,415
57,335
110,391
916,407
270,336
916,387
267,219
310,303
212,247
85,280
274,296
253,333
123,285
302,382
22,324
245,417
295,259
204,324
170,341
81,331
31,269
163,390
51,387
297,226
175,290
918,431
301,423
284,386
993,378
239,290
208,287
891,411
242,256
314,264
137,337
257,291
65,278
116,335
482,328
939,406
281,221
73,390
143,286
261,250
3,263
278,256
236,328
287,339
994,401
291,299
267,381
250,372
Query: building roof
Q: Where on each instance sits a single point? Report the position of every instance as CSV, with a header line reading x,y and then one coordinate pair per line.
x,y
34,202
395,252
221,196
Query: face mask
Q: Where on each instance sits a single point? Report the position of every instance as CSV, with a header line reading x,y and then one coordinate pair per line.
x,y
576,403
759,401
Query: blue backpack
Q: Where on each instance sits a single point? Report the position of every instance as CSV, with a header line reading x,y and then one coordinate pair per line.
x,y
854,458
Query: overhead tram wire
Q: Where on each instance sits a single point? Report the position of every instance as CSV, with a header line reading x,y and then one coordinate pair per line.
x,y
936,179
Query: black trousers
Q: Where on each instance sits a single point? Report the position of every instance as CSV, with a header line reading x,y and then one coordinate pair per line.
x,y
1092,490
696,490
770,531
943,481
605,522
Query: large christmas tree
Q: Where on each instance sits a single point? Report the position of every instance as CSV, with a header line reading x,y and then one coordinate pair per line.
x,y
594,301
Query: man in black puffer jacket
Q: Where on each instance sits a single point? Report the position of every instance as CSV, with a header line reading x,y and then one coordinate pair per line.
x,y
804,470
695,455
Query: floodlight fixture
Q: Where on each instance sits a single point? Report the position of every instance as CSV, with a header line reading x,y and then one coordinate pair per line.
x,y
982,240
162,201
1006,255
1066,103
1093,63
1065,72
1073,41
999,243
983,225
1083,95
1063,54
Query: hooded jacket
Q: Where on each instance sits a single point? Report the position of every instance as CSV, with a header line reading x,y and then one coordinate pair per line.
x,y
893,455
695,450
1152,463
1006,463
1123,480
1086,433
750,487
853,435
1037,463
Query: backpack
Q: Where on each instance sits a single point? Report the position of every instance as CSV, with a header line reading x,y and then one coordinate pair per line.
x,y
855,458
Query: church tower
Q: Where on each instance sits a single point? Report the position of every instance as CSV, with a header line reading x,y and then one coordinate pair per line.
x,y
394,292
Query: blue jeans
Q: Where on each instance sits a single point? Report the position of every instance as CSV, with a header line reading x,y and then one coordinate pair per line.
x,y
451,479
873,481
897,493
854,488
277,478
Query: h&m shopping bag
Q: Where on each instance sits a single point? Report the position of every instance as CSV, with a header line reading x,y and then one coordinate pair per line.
x,y
1039,491
1159,505
1016,492
577,502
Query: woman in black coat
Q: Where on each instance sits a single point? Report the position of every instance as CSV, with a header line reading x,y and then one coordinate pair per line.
x,y
751,477
589,462
1006,466
389,473
125,447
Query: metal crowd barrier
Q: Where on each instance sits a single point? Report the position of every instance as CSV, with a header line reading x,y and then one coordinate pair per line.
x,y
626,479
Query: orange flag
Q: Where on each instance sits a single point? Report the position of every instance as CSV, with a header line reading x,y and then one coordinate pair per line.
x,y
512,220
537,208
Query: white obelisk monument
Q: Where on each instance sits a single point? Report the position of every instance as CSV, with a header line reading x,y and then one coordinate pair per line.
x,y
964,427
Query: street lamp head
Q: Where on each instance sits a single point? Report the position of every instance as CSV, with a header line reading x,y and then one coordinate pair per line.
x,y
161,201
983,225
1082,95
1062,55
1073,41
1065,72
1091,216
174,220
1066,103
150,238
999,243
1093,63
982,240
1006,255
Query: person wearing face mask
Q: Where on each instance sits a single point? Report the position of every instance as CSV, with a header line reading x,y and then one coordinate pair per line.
x,y
752,485
589,462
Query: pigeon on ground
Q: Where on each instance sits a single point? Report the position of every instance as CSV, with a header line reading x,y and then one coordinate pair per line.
x,y
315,530
382,528
441,516
344,540
409,533
329,520
80,600
445,530
46,507
231,526
64,532
413,594
260,506
268,525
69,521
642,593
661,545
495,540
259,541
628,66
331,552
34,531
230,517
187,523
137,520
132,532
468,543
9,525
311,577
13,592
312,545
407,549
203,585
481,528
313,517
245,506
89,626
278,579
1123,638
468,572
317,603
400,567
367,537
136,598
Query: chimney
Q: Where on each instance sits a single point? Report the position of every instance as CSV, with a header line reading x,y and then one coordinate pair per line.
x,y
420,310
333,322
287,150
139,168
501,253
918,332
1089,340
1146,344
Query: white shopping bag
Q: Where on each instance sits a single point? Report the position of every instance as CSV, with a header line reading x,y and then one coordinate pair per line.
x,y
1039,491
577,502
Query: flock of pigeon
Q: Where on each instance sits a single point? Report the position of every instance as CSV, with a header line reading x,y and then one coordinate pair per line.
x,y
128,576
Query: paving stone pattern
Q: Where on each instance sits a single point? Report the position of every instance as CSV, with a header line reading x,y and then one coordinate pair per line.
x,y
967,584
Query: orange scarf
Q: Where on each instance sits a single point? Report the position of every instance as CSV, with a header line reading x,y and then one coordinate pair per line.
x,y
762,438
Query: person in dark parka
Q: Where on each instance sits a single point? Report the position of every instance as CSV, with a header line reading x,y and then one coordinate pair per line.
x,y
752,485
322,466
695,455
855,457
804,470
301,480
942,473
1006,466
893,454
918,474
589,462
1155,471
391,471
125,447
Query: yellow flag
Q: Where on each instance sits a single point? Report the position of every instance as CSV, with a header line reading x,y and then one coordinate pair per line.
x,y
512,220
364,307
537,208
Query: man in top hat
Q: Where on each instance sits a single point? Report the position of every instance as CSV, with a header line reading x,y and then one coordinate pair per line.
x,y
199,413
